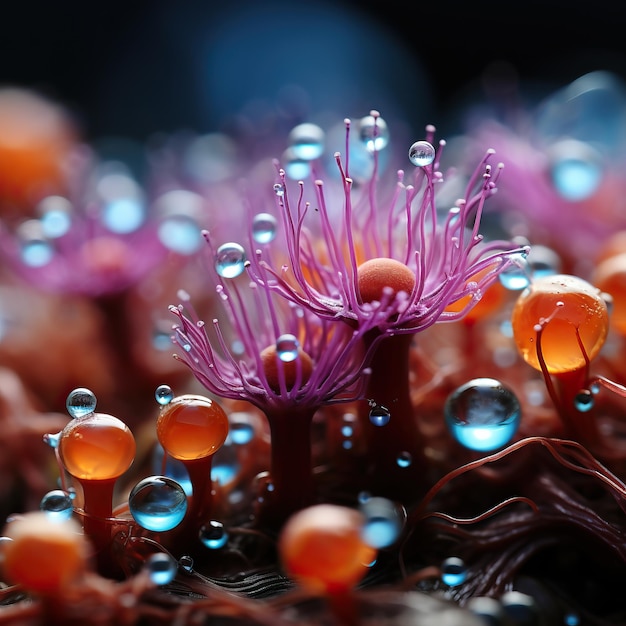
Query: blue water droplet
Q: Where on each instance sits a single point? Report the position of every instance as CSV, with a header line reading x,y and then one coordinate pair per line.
x,y
186,563
584,401
225,466
213,535
264,227
279,189
52,439
123,215
230,260
404,459
516,276
374,133
157,503
379,415
383,522
287,348
571,619
80,402
544,261
37,252
576,170
487,608
161,568
519,607
307,141
164,394
57,504
422,153
482,414
171,467
241,430
295,167
181,234
453,572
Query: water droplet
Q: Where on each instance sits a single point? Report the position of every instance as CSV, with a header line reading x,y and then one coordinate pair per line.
x,y
453,572
123,215
363,496
161,340
37,252
383,522
287,348
543,261
225,466
264,227
180,233
422,153
279,190
164,394
230,260
482,414
488,608
80,402
52,439
57,504
519,607
571,619
379,415
172,468
517,276
55,216
186,562
576,170
157,503
213,535
295,167
404,459
307,141
162,568
241,430
584,400
374,133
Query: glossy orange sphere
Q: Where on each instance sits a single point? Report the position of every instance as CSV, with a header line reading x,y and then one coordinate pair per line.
x,y
192,427
582,308
44,556
376,274
97,447
610,276
321,547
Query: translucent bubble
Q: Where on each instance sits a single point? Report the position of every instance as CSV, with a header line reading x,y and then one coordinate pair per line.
x,y
164,394
213,535
488,608
543,261
52,439
230,260
175,469
241,429
186,562
482,414
287,348
374,133
383,522
80,402
157,503
576,170
123,215
57,504
181,234
55,216
225,466
307,141
422,153
37,252
571,619
453,572
279,190
519,607
584,401
517,276
404,459
296,168
162,568
161,340
264,227
379,415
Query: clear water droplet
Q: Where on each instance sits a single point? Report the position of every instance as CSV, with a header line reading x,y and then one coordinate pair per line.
x,y
307,141
123,215
241,430
379,415
213,535
296,168
57,504
453,572
584,401
52,439
519,607
186,563
164,394
264,227
517,276
404,459
172,468
287,348
576,170
230,260
374,133
157,503
482,414
80,402
181,234
279,189
422,153
383,522
225,466
161,568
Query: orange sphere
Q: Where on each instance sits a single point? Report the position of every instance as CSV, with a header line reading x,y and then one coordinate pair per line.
x,y
192,427
610,277
376,274
569,303
44,556
97,447
269,359
322,548
493,297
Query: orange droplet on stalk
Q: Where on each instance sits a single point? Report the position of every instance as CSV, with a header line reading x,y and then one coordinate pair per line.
x,y
377,274
44,556
610,276
571,305
322,548
271,365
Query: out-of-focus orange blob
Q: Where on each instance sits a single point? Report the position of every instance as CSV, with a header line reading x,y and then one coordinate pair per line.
x,y
492,299
614,245
44,556
269,358
321,547
376,274
192,427
36,139
610,277
582,308
97,447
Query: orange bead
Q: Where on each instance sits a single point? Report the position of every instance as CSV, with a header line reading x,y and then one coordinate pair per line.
x,y
97,447
44,556
610,277
322,548
192,427
376,274
582,308
269,358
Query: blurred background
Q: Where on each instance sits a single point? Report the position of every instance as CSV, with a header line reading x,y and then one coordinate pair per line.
x,y
131,68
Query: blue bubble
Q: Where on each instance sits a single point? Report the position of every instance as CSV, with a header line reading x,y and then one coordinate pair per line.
x,y
453,572
80,402
383,522
213,535
158,503
162,568
57,504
